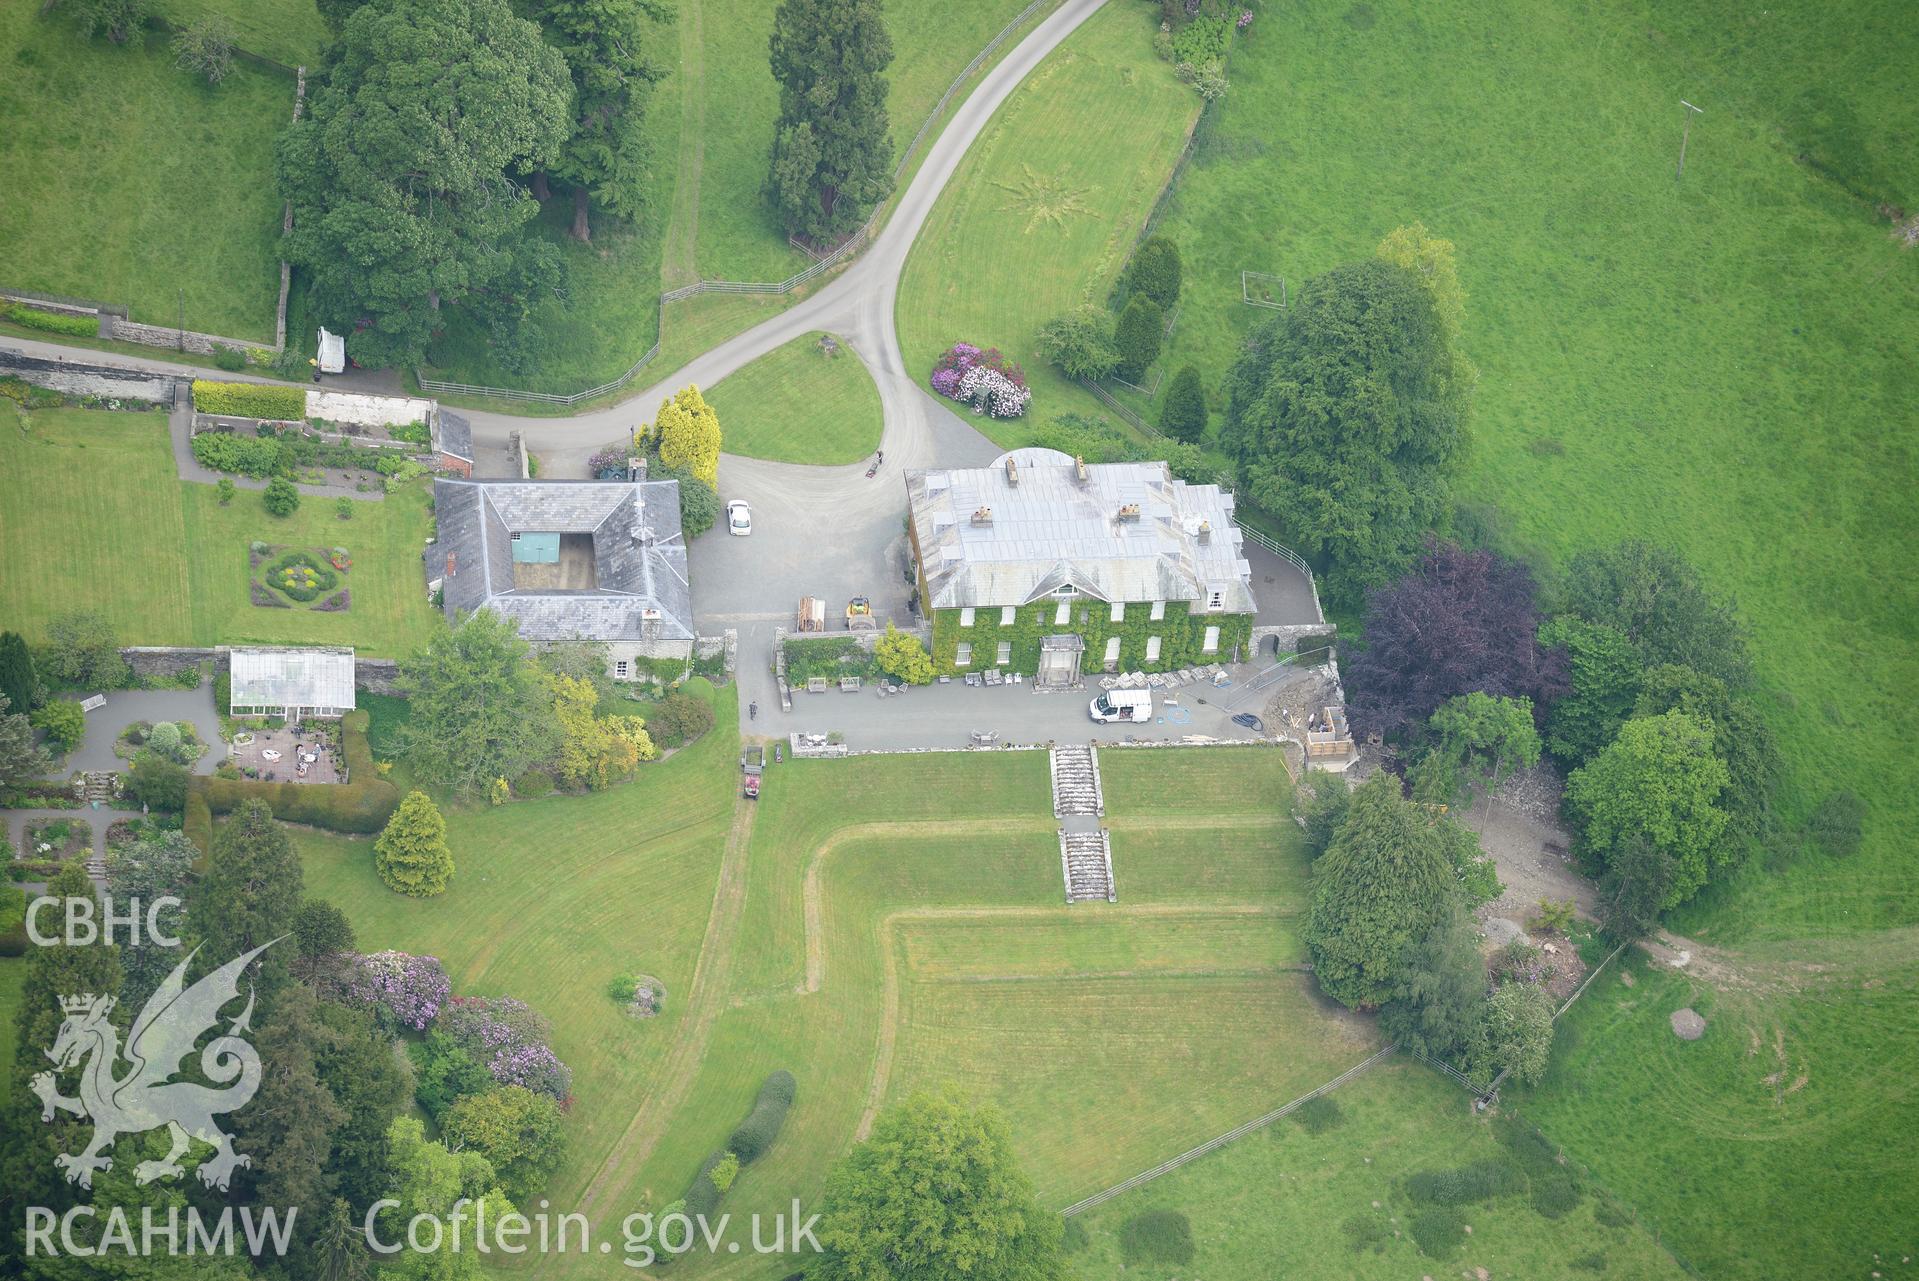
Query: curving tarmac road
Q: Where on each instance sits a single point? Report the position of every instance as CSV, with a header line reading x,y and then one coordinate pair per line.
x,y
824,531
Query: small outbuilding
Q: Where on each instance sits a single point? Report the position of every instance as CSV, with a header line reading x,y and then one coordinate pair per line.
x,y
295,683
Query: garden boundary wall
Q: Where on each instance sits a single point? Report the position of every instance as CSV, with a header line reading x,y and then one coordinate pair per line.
x,y
80,378
167,662
116,321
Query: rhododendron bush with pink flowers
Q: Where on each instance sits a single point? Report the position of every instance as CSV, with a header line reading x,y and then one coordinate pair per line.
x,y
982,379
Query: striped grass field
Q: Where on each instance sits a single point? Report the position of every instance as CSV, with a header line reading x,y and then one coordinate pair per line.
x,y
875,926
1042,214
94,515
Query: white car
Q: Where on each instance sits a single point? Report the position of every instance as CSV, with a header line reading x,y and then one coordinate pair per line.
x,y
739,518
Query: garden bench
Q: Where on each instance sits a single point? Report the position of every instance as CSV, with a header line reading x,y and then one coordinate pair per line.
x,y
94,703
849,684
816,684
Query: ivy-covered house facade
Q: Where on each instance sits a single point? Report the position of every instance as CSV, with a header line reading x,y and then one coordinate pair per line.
x,y
1054,568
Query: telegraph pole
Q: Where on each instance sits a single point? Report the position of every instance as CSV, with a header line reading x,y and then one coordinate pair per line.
x,y
1686,136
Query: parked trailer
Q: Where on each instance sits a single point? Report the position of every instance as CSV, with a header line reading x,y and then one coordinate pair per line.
x,y
811,616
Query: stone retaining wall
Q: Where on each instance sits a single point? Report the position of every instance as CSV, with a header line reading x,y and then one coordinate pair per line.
x,y
78,378
1289,637
162,662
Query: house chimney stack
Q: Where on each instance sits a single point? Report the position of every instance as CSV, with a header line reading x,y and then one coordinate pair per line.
x,y
452,564
1129,511
1079,468
982,515
1012,471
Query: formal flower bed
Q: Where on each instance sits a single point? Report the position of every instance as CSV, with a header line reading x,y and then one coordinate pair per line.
x,y
293,577
982,379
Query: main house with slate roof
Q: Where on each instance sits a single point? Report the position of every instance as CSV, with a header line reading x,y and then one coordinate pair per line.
x,y
1048,566
568,561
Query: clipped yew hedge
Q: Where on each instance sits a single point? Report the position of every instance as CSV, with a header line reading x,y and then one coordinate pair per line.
x,y
363,805
762,1125
249,400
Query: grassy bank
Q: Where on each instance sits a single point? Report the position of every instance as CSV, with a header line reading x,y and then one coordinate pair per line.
x,y
129,181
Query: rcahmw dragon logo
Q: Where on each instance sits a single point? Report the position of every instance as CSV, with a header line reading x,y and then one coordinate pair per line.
x,y
143,1098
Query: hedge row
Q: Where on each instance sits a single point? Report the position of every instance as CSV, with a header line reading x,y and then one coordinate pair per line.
x,y
249,400
753,1137
197,821
53,322
363,805
762,1125
247,455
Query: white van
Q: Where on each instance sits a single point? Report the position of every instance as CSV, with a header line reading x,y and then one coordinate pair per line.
x,y
1135,705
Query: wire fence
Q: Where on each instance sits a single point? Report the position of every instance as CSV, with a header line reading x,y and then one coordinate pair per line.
x,y
1215,1144
853,244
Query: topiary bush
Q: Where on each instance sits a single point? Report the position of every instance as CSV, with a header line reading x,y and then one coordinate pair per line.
x,y
362,805
250,400
755,1135
1156,1236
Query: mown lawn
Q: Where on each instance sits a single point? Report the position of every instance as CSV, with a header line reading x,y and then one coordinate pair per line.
x,y
1720,363
551,900
94,516
796,404
128,181
1276,1203
898,925
1044,211
938,950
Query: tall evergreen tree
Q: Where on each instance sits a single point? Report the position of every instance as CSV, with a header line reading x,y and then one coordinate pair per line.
x,y
605,156
157,867
411,855
832,150
1379,888
21,760
397,171
1155,272
27,1144
248,897
1137,336
18,684
1183,417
